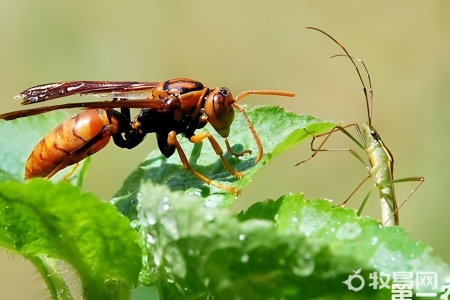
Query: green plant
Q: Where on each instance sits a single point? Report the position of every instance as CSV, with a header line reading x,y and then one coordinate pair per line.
x,y
174,238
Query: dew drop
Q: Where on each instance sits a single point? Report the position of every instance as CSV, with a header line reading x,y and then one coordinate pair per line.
x,y
150,239
348,231
111,284
150,218
244,258
304,265
374,241
61,291
165,204
209,217
135,224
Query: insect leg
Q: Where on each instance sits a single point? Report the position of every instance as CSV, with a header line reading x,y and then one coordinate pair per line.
x,y
74,168
420,180
354,191
353,152
125,136
365,198
197,138
327,135
363,204
173,141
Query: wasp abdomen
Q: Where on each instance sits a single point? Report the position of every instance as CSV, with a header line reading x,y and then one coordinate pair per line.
x,y
68,143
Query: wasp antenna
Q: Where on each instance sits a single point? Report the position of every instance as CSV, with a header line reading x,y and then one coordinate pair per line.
x,y
252,130
249,123
368,105
263,92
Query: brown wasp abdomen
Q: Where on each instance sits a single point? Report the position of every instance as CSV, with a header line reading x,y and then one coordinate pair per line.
x,y
70,142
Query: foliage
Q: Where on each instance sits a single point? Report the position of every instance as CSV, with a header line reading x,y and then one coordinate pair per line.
x,y
181,242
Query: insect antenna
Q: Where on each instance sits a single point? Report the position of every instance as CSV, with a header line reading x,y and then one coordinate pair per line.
x,y
249,123
368,103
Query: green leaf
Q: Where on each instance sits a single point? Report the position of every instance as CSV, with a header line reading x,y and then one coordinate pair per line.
x,y
49,223
195,252
355,242
18,138
277,129
291,248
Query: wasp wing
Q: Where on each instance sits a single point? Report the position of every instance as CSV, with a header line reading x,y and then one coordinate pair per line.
x,y
116,89
159,104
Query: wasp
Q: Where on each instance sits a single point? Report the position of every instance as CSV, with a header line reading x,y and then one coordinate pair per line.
x,y
176,106
381,160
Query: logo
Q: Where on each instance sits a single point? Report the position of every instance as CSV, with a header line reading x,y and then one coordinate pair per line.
x,y
403,285
349,281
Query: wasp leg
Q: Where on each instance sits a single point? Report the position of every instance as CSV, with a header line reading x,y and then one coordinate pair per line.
x,y
124,136
74,168
61,166
132,139
197,138
172,140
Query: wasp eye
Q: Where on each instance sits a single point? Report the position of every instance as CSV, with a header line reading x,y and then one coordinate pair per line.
x,y
223,91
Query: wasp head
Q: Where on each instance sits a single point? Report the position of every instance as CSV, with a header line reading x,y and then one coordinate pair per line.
x,y
219,110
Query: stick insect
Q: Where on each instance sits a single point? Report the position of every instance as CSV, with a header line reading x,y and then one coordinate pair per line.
x,y
381,167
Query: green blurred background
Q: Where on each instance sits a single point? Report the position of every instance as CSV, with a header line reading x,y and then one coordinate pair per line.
x,y
255,45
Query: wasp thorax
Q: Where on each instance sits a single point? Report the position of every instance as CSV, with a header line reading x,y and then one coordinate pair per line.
x,y
180,86
219,110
